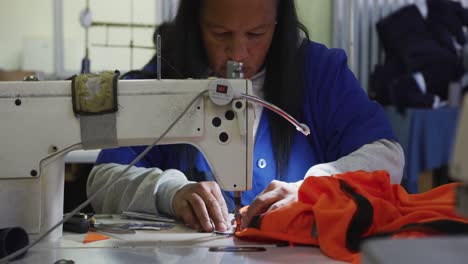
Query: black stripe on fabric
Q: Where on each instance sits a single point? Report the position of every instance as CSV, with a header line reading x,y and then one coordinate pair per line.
x,y
361,220
449,227
256,222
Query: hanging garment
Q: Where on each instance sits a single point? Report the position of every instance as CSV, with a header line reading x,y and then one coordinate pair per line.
x,y
414,44
337,213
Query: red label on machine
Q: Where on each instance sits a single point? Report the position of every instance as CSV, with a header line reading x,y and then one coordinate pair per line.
x,y
221,89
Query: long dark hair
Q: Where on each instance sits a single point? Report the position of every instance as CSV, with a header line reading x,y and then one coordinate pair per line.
x,y
185,57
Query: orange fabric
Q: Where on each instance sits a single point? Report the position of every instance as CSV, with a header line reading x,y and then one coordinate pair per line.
x,y
93,237
323,204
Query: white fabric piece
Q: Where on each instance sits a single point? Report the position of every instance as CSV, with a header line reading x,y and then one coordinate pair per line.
x,y
438,103
420,81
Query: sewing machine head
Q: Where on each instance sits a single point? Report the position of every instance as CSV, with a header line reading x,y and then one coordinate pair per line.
x,y
39,127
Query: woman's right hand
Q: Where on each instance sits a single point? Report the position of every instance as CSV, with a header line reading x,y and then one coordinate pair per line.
x,y
200,205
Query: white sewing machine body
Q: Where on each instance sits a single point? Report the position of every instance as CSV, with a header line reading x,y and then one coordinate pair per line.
x,y
39,126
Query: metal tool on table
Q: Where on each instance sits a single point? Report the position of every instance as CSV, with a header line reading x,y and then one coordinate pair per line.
x,y
130,228
145,216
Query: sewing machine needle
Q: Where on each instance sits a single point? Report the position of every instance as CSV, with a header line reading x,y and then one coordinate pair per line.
x,y
237,214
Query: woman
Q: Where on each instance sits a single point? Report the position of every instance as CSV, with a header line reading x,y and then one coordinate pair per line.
x,y
309,81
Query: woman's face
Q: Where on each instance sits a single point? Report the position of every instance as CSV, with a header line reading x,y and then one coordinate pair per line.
x,y
238,30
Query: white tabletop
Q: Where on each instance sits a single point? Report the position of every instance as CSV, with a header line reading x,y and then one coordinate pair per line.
x,y
177,245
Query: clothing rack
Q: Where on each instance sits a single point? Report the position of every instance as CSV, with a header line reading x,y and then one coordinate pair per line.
x,y
354,31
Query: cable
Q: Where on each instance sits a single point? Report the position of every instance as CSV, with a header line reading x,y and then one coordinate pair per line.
x,y
303,128
84,204
73,147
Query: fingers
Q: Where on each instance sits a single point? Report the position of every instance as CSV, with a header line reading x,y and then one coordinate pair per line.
x,y
188,216
259,205
275,195
216,192
281,203
272,186
206,205
218,210
201,213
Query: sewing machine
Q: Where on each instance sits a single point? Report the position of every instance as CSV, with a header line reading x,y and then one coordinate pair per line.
x,y
38,127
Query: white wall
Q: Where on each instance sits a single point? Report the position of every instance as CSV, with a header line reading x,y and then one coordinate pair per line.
x,y
20,20
317,16
26,40
27,26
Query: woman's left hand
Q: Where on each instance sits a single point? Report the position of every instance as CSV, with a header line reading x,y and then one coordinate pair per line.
x,y
275,195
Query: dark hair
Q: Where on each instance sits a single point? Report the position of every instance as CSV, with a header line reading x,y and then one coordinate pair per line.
x,y
185,57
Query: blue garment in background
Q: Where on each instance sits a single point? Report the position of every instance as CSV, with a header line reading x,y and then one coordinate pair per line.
x,y
427,137
335,107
